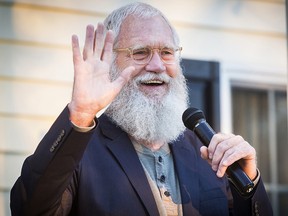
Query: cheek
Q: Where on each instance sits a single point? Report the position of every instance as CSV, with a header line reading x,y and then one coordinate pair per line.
x,y
123,62
173,70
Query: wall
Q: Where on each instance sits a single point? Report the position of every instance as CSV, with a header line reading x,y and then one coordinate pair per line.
x,y
247,37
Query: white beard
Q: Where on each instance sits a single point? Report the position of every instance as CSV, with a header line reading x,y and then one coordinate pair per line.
x,y
150,119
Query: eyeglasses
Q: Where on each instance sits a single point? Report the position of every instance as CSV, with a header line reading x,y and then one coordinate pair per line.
x,y
143,55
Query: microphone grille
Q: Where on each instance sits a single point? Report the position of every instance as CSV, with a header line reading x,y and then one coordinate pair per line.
x,y
191,117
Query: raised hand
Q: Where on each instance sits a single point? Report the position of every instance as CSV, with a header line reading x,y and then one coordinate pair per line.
x,y
92,88
225,149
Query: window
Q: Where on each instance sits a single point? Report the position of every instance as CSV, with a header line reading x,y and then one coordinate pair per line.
x,y
203,85
260,115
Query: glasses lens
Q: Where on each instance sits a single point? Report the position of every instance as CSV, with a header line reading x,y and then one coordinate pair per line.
x,y
168,55
141,55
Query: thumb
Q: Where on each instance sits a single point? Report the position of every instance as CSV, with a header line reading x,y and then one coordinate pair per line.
x,y
204,152
124,77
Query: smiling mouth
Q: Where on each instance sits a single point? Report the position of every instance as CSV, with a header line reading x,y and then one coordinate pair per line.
x,y
153,82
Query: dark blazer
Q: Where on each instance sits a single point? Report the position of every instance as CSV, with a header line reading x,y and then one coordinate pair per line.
x,y
99,173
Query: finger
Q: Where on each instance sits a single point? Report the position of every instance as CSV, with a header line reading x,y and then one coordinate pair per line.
x,y
89,39
221,149
243,150
108,47
221,170
204,152
231,156
99,40
76,49
124,77
216,139
235,148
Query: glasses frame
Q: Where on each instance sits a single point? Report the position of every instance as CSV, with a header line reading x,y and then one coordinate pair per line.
x,y
131,49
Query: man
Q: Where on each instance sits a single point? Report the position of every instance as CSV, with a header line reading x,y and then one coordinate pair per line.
x,y
131,160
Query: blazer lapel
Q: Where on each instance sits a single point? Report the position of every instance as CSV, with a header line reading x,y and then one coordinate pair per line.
x,y
123,150
185,160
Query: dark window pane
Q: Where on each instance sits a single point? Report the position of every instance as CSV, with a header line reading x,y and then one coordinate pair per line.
x,y
250,120
203,84
281,129
283,203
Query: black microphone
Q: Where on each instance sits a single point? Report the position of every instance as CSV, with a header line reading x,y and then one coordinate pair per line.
x,y
194,120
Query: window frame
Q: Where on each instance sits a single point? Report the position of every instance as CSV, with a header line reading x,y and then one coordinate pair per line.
x,y
259,81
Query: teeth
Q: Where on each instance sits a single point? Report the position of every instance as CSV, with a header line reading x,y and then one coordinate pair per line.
x,y
153,82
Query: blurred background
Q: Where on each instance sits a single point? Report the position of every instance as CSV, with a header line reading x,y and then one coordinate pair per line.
x,y
234,58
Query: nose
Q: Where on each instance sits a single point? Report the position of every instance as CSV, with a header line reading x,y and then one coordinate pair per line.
x,y
155,64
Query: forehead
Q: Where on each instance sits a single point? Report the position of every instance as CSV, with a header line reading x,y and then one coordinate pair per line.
x,y
152,31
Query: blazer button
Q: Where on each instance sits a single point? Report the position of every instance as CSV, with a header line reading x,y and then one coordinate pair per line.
x,y
256,210
57,141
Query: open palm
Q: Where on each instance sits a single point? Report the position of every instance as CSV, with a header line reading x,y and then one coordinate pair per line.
x,y
93,89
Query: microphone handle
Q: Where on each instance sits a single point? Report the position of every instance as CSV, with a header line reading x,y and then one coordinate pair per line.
x,y
235,173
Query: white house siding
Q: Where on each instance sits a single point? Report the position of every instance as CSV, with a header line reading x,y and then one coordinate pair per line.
x,y
247,37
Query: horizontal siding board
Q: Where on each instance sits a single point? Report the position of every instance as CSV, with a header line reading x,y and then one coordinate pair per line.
x,y
7,175
41,26
36,62
20,135
232,14
31,98
253,15
4,203
248,52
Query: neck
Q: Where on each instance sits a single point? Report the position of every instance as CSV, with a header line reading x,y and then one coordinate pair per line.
x,y
153,146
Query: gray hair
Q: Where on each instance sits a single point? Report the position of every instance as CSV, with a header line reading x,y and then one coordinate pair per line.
x,y
115,19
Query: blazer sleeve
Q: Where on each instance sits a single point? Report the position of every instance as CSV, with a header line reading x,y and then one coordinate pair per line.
x,y
47,173
256,203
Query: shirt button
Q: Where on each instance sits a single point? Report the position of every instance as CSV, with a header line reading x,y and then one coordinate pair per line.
x,y
162,178
166,193
160,159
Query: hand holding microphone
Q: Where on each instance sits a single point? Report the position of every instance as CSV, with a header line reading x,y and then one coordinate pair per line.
x,y
225,152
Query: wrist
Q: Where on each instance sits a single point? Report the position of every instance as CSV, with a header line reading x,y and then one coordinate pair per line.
x,y
84,129
252,173
81,119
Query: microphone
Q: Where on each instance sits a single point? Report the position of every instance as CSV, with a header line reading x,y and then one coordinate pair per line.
x,y
194,120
